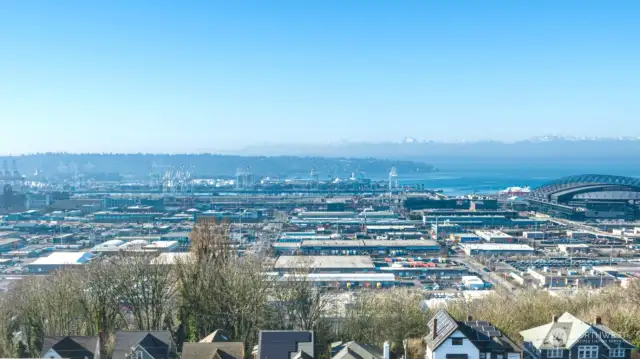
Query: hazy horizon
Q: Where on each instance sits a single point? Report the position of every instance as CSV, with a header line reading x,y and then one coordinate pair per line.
x,y
203,76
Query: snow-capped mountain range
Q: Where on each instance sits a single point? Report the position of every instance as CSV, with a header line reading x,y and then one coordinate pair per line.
x,y
540,147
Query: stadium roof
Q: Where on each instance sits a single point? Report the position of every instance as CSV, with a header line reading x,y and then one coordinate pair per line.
x,y
567,185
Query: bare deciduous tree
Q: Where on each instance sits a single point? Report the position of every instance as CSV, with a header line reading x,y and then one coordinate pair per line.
x,y
148,289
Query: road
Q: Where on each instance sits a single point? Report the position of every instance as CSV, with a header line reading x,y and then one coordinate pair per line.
x,y
491,277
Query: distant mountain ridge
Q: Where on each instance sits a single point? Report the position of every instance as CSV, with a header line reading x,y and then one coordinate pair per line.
x,y
140,165
412,149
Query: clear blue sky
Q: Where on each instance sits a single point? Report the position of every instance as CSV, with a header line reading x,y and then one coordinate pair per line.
x,y
186,76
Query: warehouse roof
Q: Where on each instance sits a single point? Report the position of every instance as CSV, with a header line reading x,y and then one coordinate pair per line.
x,y
8,241
324,262
371,243
355,277
401,243
498,246
63,258
176,234
330,243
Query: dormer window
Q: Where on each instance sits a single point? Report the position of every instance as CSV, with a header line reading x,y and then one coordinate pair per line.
x,y
139,354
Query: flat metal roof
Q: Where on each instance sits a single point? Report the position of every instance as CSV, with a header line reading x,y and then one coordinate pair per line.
x,y
371,243
498,247
324,262
341,277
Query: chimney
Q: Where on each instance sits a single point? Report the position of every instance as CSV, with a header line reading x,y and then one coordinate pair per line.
x,y
434,328
597,320
386,350
102,338
554,318
469,318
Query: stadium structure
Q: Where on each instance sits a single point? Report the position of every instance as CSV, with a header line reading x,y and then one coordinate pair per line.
x,y
589,197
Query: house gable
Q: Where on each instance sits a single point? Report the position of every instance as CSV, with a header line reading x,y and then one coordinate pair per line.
x,y
139,352
449,347
51,354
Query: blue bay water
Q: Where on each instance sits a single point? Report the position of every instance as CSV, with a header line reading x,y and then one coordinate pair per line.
x,y
464,176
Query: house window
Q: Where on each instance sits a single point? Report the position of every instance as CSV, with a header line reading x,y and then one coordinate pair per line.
x,y
587,352
617,353
483,356
456,341
499,356
554,353
139,354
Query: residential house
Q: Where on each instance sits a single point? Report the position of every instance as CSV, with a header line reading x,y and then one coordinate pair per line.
x,y
214,346
471,339
353,350
569,337
285,344
144,345
215,350
70,348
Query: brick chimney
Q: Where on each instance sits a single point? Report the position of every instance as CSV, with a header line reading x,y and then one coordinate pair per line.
x,y
554,318
597,320
434,329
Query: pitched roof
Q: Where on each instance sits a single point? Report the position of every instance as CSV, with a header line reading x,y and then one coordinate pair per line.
x,y
487,337
445,326
481,334
353,350
282,343
223,350
156,343
566,332
217,336
71,347
302,355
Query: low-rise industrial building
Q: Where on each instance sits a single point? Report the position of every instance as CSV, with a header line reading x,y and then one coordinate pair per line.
x,y
180,237
427,272
465,238
57,260
574,248
359,247
9,244
497,249
326,214
347,280
293,238
547,278
472,282
162,246
325,264
494,236
390,228
534,235
580,235
119,217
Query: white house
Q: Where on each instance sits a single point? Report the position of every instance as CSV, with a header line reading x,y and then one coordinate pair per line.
x,y
451,339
